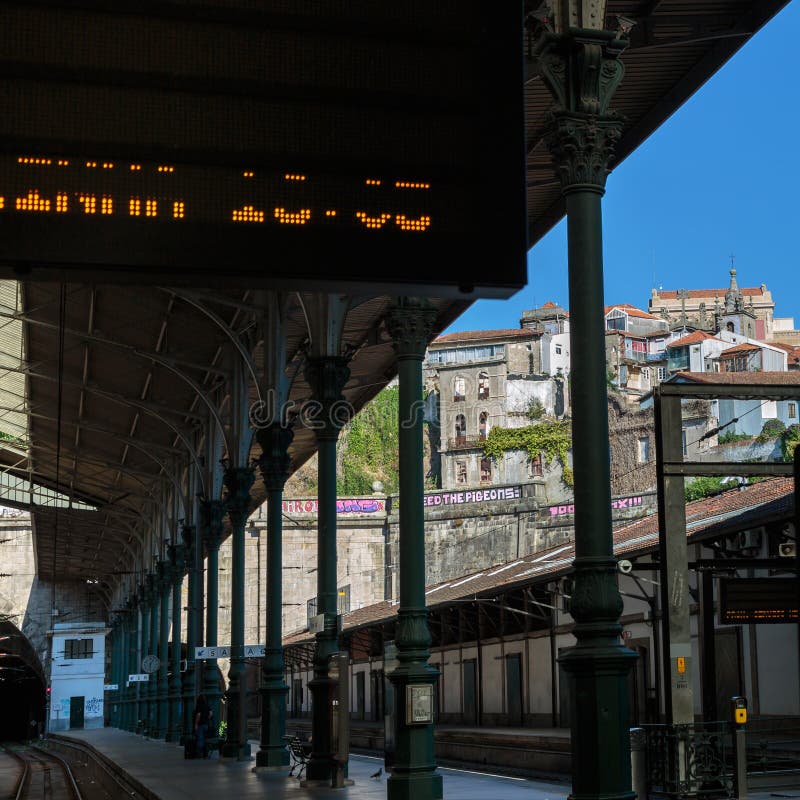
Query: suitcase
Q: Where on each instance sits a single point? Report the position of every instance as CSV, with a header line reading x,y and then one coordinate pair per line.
x,y
190,747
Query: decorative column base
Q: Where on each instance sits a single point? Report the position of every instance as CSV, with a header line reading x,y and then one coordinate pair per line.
x,y
273,753
414,775
174,732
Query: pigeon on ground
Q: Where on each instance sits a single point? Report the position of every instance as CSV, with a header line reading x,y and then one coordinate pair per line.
x,y
377,775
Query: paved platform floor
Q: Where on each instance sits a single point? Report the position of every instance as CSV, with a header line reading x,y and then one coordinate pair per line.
x,y
163,770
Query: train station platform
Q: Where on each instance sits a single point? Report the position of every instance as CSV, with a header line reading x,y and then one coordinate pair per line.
x,y
163,774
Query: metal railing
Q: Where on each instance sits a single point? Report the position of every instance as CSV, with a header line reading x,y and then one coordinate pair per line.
x,y
689,760
465,442
683,761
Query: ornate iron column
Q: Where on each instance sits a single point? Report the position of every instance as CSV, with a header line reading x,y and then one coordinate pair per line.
x,y
141,690
131,654
177,565
114,637
193,544
164,585
152,641
410,323
579,63
212,513
238,481
327,377
274,465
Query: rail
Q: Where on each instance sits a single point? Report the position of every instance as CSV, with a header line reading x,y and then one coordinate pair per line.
x,y
42,757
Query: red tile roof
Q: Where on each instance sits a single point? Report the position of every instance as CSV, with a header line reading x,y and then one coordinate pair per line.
x,y
631,311
773,496
747,378
673,295
549,304
744,347
692,338
472,336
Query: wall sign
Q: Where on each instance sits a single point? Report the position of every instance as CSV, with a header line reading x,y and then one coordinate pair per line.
x,y
419,704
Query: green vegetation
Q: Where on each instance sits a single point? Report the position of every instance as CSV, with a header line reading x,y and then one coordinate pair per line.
x,y
551,437
732,436
703,487
789,440
368,447
772,429
15,440
535,409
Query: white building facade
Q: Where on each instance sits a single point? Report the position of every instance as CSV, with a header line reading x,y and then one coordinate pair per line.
x,y
77,676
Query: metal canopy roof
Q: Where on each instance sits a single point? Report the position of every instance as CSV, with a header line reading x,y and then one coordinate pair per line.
x,y
112,382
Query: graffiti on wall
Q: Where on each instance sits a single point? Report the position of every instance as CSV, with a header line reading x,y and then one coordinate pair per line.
x,y
622,503
473,496
93,707
350,505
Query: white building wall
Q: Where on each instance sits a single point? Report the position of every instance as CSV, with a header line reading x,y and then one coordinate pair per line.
x,y
77,677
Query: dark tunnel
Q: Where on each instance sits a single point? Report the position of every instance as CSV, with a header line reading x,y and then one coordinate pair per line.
x,y
22,686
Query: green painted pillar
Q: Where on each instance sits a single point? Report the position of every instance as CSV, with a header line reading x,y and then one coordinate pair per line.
x,y
141,690
327,377
120,675
274,465
193,542
410,323
238,481
131,692
152,649
177,566
581,68
212,512
111,696
162,710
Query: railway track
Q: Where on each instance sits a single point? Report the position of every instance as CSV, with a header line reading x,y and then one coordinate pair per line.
x,y
40,775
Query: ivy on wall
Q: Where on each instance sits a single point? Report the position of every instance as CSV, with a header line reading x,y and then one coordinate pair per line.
x,y
551,437
368,448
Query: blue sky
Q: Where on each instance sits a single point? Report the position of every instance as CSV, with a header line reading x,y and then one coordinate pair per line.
x,y
720,176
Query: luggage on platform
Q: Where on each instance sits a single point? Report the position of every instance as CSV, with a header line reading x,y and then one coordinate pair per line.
x,y
190,747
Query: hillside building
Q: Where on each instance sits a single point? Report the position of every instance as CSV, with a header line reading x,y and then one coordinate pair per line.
x,y
749,310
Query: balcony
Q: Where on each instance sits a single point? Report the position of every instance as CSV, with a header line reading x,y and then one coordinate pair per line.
x,y
678,363
466,442
633,355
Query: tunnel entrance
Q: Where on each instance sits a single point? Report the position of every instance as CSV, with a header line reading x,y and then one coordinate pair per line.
x,y
22,686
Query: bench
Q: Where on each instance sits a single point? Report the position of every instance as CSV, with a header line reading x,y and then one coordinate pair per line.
x,y
299,754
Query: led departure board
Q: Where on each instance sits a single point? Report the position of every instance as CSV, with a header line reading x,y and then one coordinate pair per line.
x,y
268,143
757,600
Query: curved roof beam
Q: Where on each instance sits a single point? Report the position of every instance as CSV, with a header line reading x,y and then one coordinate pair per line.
x,y
198,389
153,409
193,299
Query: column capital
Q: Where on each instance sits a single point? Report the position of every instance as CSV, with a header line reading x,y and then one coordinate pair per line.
x,y
410,322
177,562
582,70
187,538
274,462
150,590
582,147
213,512
238,481
164,577
327,377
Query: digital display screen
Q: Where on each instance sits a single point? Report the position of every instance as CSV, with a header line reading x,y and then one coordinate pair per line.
x,y
757,600
103,189
329,142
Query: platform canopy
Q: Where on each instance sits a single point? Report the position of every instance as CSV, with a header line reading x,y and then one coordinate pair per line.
x,y
172,163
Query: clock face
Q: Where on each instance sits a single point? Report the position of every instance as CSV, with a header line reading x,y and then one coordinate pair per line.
x,y
151,664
